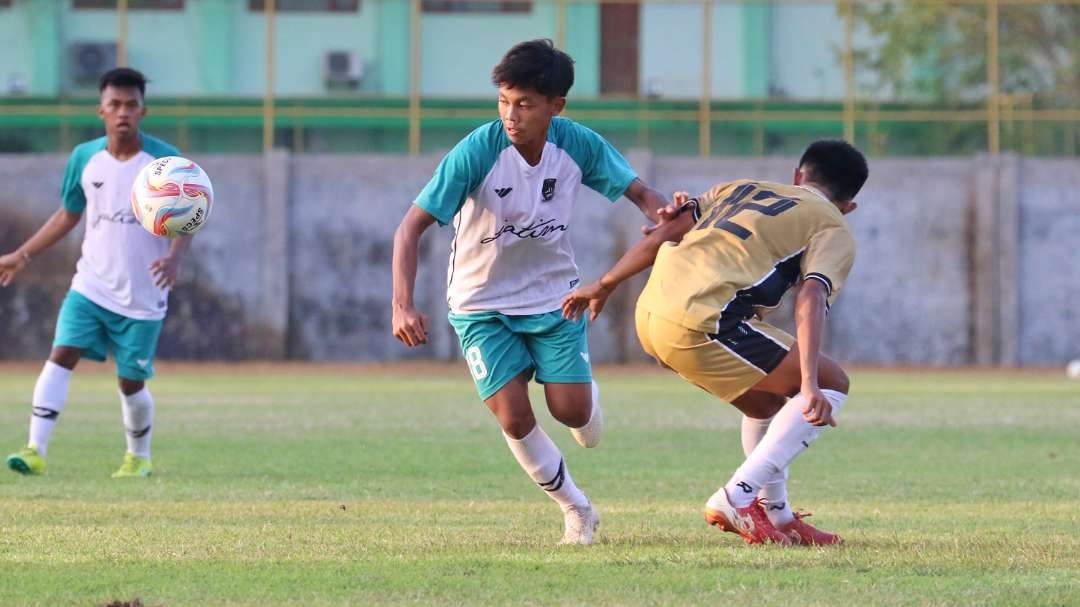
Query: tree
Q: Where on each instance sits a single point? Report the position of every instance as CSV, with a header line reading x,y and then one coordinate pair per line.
x,y
936,51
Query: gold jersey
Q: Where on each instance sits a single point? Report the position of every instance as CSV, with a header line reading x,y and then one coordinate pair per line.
x,y
753,241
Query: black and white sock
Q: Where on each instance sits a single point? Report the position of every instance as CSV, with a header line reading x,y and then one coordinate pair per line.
x,y
789,434
774,492
543,462
138,412
50,396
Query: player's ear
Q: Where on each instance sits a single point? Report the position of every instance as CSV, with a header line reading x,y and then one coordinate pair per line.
x,y
797,179
558,106
847,206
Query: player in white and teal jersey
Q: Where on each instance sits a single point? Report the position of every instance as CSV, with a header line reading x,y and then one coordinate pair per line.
x,y
508,189
120,291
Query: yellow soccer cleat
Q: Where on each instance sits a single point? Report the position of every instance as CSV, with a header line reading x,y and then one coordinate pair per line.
x,y
134,466
27,461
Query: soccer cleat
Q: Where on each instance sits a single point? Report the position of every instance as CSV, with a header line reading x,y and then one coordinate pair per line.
x,y
581,524
806,534
27,461
750,522
588,436
134,466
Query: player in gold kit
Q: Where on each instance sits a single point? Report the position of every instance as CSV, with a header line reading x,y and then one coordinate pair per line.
x,y
721,259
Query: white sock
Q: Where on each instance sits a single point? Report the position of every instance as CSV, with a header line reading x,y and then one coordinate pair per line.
x,y
138,411
50,396
775,490
788,436
543,462
595,395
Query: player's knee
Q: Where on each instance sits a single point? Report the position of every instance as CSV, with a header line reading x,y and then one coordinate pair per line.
x,y
65,357
517,427
837,380
131,386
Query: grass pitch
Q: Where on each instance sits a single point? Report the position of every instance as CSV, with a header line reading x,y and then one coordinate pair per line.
x,y
376,485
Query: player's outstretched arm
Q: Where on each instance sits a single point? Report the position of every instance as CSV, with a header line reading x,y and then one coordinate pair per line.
x,y
410,326
55,228
167,269
640,256
647,199
809,325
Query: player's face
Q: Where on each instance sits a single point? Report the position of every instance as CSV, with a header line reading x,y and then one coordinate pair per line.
x,y
122,110
526,114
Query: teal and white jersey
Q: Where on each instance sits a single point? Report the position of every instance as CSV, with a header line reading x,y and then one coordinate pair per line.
x,y
511,251
114,270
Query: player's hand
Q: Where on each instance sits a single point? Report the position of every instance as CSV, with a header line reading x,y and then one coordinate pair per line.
x,y
818,410
592,296
669,212
165,272
10,265
410,326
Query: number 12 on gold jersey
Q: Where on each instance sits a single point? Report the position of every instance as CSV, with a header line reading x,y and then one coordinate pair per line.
x,y
721,215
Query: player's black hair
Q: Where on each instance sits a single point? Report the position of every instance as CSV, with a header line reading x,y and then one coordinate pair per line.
x,y
538,65
837,165
123,77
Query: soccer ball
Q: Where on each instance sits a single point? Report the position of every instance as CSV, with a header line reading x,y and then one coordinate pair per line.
x,y
1072,370
172,197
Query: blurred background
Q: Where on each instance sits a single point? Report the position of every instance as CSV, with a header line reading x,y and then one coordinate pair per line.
x,y
319,120
680,77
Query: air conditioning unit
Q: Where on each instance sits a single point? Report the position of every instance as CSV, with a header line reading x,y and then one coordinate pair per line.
x,y
343,69
89,60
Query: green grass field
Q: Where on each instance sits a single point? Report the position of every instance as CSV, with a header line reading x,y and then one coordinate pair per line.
x,y
362,485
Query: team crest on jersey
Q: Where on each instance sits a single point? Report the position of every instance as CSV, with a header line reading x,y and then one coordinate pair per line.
x,y
548,191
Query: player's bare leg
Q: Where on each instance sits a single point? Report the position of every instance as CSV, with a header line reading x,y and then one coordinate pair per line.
x,y
578,407
541,459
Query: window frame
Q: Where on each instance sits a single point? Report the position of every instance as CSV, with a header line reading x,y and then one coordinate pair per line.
x,y
474,7
332,6
133,5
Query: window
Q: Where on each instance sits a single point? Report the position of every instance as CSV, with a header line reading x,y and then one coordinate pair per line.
x,y
477,6
325,6
161,5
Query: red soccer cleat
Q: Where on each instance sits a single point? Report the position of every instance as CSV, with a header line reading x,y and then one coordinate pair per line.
x,y
750,522
807,535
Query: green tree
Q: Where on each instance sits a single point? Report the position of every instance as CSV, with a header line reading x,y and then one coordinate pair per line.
x,y
936,51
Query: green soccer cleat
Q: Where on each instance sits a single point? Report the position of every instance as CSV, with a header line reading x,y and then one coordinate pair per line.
x,y
134,466
27,461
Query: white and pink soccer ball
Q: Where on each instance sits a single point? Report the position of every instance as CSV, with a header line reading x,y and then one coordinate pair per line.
x,y
172,196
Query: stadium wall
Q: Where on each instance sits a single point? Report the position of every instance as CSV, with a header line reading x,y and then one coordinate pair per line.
x,y
960,261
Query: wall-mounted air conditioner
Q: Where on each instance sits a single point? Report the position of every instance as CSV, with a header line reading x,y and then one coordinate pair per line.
x,y
343,69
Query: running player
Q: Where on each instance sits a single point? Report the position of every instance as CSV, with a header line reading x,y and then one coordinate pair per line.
x,y
509,188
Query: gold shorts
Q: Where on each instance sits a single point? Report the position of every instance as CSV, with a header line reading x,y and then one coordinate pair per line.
x,y
725,364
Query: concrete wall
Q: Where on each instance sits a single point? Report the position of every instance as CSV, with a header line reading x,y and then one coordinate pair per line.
x,y
960,260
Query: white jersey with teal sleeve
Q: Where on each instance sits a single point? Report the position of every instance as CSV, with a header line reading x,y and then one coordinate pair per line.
x,y
511,251
114,270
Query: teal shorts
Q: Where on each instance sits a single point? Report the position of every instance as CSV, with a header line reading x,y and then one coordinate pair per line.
x,y
96,331
498,348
